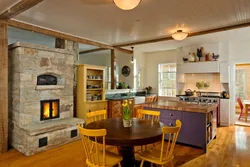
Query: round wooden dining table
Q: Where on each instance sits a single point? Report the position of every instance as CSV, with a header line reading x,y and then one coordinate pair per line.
x,y
142,132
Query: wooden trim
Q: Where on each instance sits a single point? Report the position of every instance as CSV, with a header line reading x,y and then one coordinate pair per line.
x,y
30,27
3,87
189,35
113,69
18,8
124,50
101,49
93,50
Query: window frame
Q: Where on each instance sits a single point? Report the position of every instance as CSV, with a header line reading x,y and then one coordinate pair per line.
x,y
161,72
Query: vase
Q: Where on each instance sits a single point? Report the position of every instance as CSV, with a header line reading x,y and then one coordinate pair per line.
x,y
127,123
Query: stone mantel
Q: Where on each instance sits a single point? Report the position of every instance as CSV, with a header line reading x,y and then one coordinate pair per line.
x,y
39,47
49,87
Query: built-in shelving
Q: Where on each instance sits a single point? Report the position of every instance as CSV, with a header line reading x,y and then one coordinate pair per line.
x,y
89,98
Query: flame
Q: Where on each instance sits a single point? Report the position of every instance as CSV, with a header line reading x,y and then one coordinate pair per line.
x,y
46,110
54,109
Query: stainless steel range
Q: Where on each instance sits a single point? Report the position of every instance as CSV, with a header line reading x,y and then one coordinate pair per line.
x,y
203,100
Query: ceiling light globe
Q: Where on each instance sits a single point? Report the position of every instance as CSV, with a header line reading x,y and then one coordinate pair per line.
x,y
126,4
179,35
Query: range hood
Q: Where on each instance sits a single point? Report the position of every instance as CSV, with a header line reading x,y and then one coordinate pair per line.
x,y
199,67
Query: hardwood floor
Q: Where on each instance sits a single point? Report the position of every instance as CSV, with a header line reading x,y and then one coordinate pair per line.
x,y
230,149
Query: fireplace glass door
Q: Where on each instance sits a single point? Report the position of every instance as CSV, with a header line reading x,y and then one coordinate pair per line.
x,y
49,109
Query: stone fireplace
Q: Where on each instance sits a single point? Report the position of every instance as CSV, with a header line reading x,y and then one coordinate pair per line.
x,y
41,98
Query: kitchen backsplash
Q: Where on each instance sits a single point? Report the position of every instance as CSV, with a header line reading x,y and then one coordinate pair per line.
x,y
212,78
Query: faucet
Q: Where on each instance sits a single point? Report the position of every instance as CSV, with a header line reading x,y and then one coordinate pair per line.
x,y
116,94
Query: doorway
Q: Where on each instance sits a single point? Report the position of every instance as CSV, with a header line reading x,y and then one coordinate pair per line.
x,y
242,93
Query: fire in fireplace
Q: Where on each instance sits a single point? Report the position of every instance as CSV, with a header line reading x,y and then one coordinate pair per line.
x,y
50,109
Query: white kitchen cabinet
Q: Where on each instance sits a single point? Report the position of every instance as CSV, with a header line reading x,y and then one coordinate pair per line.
x,y
224,72
200,67
225,112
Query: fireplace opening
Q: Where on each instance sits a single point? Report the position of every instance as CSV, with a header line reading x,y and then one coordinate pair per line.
x,y
50,109
46,80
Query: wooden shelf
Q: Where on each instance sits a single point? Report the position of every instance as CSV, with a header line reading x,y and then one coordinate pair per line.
x,y
94,79
94,89
96,101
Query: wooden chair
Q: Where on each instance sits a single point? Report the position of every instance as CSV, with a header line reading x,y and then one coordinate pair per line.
x,y
165,154
241,107
149,115
97,156
95,116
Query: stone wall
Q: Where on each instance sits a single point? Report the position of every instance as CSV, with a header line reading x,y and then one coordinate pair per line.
x,y
26,63
30,61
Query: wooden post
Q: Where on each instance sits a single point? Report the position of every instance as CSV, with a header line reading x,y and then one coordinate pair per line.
x,y
113,69
3,88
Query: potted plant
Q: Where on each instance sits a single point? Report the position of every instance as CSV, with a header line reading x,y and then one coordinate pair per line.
x,y
126,113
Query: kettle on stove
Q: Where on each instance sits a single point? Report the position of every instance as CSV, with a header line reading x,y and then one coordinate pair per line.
x,y
224,94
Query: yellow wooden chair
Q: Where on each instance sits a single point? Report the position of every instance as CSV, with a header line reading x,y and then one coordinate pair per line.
x,y
95,116
149,115
96,155
164,155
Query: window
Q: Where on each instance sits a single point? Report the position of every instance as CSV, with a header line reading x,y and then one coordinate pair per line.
x,y
108,74
167,79
137,76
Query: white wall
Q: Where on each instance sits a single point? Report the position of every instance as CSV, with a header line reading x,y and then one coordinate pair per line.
x,y
103,58
123,59
151,66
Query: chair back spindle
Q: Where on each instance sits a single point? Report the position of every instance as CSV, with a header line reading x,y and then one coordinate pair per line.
x,y
149,115
96,116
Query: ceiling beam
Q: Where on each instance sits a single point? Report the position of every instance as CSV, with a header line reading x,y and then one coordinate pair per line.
x,y
93,50
101,49
57,34
18,8
189,35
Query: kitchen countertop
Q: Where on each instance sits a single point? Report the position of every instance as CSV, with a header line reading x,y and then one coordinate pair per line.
x,y
119,97
180,106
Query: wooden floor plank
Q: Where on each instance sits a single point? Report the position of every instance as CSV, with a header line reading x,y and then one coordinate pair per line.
x,y
231,148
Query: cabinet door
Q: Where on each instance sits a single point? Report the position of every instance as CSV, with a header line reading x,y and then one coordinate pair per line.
x,y
115,109
224,112
224,73
193,130
90,107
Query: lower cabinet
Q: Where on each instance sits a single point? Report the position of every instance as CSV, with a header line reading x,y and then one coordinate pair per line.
x,y
198,129
115,108
91,106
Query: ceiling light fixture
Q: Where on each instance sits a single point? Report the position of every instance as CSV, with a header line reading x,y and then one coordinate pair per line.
x,y
126,4
179,35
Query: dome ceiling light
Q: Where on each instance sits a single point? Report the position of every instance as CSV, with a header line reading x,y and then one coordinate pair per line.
x,y
179,35
127,4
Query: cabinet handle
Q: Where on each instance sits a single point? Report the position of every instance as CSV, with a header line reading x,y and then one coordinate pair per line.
x,y
170,124
171,114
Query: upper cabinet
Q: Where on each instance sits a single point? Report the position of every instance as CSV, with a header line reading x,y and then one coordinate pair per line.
x,y
199,67
224,72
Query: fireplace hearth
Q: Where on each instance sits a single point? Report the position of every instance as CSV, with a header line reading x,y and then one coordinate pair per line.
x,y
50,109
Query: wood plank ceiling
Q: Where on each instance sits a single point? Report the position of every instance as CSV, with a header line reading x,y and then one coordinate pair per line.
x,y
104,22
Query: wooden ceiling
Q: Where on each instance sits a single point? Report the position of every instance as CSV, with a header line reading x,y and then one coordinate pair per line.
x,y
152,20
106,23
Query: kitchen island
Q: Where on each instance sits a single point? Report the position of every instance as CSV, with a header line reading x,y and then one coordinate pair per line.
x,y
198,120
